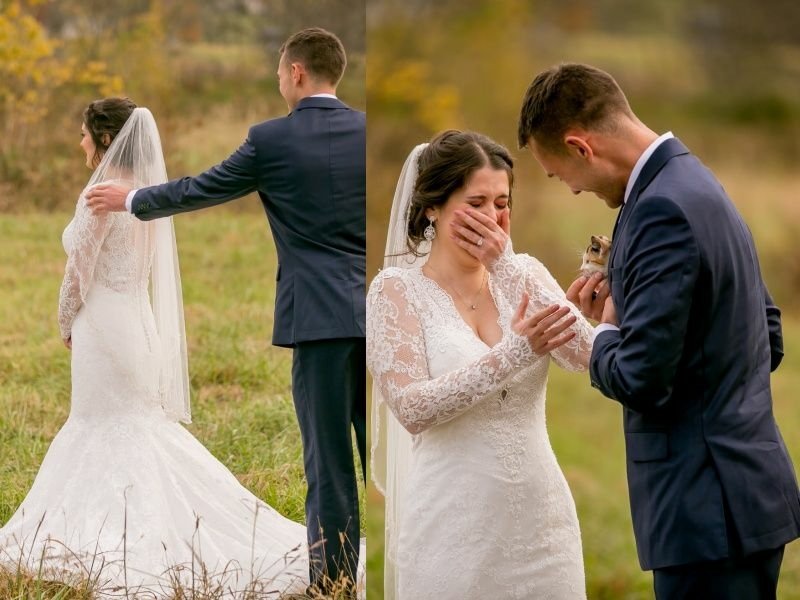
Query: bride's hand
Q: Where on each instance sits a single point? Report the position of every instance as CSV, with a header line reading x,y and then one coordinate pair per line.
x,y
68,343
480,235
544,329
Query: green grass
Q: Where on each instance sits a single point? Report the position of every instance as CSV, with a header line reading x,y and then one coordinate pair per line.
x,y
241,384
586,432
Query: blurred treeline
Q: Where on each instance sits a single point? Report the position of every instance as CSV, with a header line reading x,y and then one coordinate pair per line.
x,y
723,75
205,68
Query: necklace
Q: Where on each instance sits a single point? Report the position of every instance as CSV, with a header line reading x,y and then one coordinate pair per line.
x,y
471,305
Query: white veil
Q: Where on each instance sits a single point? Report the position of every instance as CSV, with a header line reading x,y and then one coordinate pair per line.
x,y
391,443
135,157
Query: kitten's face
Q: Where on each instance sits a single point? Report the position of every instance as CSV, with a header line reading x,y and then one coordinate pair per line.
x,y
595,259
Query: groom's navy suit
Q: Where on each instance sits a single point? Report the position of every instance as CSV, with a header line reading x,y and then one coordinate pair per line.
x,y
309,168
708,472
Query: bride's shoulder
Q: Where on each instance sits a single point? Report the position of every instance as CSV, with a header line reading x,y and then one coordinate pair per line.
x,y
390,273
528,260
390,277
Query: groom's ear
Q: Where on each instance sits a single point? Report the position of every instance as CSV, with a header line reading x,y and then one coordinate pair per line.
x,y
578,146
298,71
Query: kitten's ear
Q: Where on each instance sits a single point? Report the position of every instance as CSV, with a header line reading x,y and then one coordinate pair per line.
x,y
595,239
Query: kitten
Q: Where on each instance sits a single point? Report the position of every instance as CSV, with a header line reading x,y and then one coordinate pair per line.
x,y
595,259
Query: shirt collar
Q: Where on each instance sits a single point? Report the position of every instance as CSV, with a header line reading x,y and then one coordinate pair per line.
x,y
637,168
323,96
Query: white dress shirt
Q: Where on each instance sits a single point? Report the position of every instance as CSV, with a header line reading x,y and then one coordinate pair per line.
x,y
132,193
637,169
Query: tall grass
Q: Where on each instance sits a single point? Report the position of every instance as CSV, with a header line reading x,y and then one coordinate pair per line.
x,y
241,384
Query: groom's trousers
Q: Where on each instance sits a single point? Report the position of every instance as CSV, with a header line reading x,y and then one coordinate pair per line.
x,y
752,577
329,390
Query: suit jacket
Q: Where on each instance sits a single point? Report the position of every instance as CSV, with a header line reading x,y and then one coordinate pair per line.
x,y
699,336
309,168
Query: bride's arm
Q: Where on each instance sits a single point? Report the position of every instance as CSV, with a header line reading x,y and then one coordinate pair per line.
x,y
397,359
520,273
88,233
517,274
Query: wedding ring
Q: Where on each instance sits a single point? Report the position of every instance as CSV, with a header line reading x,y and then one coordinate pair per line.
x,y
479,242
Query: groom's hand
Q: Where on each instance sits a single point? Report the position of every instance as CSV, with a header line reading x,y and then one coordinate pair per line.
x,y
107,197
610,313
589,294
480,235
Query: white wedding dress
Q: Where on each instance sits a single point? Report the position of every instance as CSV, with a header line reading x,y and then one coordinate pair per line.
x,y
123,485
486,511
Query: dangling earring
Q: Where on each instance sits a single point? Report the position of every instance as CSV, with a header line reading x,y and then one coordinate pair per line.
x,y
430,231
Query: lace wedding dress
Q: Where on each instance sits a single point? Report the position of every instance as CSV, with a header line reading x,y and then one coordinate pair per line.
x,y
126,496
486,511
123,483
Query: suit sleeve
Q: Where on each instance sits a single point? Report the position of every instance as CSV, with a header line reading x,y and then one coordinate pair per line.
x,y
637,364
775,331
231,179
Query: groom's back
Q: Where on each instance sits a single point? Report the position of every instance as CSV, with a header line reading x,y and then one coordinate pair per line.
x,y
312,182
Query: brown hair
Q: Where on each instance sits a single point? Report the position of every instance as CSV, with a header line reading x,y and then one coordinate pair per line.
x,y
106,116
444,167
319,51
569,95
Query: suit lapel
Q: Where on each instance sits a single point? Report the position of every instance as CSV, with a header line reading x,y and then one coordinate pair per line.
x,y
667,150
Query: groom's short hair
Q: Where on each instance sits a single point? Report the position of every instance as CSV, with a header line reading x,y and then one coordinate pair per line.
x,y
320,52
569,95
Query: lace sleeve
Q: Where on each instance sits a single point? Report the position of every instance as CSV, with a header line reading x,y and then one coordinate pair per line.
x,y
88,234
516,273
397,359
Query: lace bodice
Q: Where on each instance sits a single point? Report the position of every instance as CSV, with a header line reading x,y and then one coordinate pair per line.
x,y
102,250
403,302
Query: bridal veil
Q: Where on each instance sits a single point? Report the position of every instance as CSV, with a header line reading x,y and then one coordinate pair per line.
x,y
391,443
135,157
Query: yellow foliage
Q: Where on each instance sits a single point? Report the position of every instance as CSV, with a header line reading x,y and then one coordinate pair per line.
x,y
31,71
409,89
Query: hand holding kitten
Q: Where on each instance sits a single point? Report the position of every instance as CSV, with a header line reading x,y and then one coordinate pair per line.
x,y
590,292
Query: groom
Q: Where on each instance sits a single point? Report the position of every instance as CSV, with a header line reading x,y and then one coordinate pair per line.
x,y
687,342
309,169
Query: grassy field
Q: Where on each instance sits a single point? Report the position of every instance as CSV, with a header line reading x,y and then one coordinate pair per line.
x,y
241,388
586,433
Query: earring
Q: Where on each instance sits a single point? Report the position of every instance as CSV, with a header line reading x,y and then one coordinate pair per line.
x,y
430,231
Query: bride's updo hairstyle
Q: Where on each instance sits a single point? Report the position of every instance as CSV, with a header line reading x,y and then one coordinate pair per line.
x,y
106,117
444,167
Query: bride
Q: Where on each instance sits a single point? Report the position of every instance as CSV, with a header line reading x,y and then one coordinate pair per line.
x,y
476,504
124,488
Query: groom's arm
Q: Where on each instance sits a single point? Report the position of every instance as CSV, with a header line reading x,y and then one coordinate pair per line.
x,y
637,364
232,178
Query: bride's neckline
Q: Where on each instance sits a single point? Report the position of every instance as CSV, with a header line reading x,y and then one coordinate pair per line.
x,y
451,301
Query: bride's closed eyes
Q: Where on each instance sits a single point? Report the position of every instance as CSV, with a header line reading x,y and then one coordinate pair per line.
x,y
500,203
